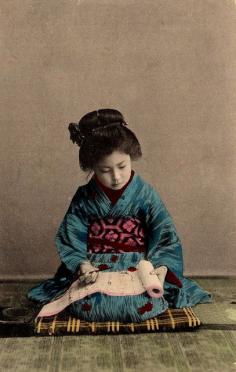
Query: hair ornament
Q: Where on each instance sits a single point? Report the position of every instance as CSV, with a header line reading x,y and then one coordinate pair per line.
x,y
75,133
114,124
77,136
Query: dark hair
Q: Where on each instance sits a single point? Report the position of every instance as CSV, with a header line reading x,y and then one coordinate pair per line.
x,y
101,132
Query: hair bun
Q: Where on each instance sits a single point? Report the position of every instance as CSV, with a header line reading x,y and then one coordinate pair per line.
x,y
75,133
77,136
94,124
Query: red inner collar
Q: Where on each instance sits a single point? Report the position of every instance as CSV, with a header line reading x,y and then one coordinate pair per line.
x,y
113,195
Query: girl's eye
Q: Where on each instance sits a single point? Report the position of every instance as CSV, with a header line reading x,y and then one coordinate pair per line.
x,y
104,171
107,171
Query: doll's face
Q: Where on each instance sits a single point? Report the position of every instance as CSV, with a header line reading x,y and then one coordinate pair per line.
x,y
114,170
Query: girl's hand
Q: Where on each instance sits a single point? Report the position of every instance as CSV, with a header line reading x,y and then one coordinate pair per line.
x,y
161,272
87,273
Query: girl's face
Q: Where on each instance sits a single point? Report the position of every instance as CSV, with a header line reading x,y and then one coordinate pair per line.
x,y
114,170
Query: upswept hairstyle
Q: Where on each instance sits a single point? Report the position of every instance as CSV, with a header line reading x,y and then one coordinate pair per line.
x,y
101,132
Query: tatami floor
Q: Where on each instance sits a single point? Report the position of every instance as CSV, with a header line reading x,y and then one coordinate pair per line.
x,y
210,348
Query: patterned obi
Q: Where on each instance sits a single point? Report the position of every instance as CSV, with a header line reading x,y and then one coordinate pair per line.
x,y
116,235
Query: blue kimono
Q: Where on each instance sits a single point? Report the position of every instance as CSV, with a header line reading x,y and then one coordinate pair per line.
x,y
115,237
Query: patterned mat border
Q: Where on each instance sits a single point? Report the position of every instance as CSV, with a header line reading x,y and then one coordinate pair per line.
x,y
172,319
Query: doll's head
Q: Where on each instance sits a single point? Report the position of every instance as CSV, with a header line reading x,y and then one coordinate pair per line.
x,y
105,142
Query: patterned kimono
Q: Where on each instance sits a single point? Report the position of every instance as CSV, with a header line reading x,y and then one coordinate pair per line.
x,y
115,237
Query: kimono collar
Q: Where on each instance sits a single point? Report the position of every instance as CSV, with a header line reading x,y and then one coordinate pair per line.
x,y
113,195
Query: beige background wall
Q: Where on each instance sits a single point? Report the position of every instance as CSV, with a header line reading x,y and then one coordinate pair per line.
x,y
169,66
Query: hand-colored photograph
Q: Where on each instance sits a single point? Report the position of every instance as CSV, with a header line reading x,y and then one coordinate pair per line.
x,y
118,201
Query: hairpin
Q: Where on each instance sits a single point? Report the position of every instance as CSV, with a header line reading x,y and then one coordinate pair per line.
x,y
115,123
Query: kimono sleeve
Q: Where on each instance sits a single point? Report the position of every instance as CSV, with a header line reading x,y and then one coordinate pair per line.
x,y
71,238
164,246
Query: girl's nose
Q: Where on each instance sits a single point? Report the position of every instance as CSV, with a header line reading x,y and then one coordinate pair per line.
x,y
115,176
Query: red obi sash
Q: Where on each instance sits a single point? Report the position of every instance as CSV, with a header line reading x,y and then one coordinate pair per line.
x,y
116,235
120,235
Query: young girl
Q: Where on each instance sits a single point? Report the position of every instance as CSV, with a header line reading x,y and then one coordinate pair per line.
x,y
113,222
